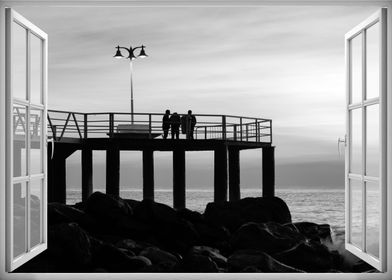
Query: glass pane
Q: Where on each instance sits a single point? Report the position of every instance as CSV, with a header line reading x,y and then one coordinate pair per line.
x,y
372,140
373,218
19,150
36,69
36,142
373,61
356,69
19,219
356,212
35,211
19,61
356,141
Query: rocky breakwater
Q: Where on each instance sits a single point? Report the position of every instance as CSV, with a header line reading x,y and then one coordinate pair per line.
x,y
110,234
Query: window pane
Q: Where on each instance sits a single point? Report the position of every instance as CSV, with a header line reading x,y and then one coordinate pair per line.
x,y
19,219
36,69
356,141
373,61
19,149
356,212
356,69
19,61
36,144
35,211
373,218
372,140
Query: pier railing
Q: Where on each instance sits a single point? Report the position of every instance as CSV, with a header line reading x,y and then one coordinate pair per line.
x,y
65,124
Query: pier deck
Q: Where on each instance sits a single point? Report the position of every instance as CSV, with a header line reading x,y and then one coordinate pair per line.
x,y
225,135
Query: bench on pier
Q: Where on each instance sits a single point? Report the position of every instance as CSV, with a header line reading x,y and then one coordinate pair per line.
x,y
133,131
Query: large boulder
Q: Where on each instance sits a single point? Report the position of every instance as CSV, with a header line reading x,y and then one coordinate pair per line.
x,y
168,229
113,259
256,261
233,214
152,212
61,213
309,256
158,256
213,253
109,210
70,246
320,233
195,262
267,237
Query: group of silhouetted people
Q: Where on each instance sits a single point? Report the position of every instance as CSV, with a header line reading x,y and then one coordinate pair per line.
x,y
174,122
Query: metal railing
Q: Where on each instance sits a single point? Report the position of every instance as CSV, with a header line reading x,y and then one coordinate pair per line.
x,y
106,124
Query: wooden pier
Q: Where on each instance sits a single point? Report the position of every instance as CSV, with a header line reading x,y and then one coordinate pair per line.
x,y
226,136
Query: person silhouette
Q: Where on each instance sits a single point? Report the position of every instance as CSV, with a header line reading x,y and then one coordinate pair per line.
x,y
175,122
190,124
166,123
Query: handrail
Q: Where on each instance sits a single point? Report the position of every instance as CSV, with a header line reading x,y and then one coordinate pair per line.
x,y
107,124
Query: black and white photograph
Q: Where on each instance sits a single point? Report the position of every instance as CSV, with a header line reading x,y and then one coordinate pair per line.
x,y
182,139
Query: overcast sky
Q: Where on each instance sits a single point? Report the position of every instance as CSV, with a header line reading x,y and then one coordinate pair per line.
x,y
282,63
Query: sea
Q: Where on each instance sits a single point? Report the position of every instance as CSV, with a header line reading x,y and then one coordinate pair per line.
x,y
324,206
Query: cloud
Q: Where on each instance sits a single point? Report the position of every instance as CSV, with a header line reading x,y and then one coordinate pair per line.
x,y
282,63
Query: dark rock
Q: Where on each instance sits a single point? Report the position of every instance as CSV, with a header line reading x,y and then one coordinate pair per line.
x,y
150,211
233,214
267,237
191,216
70,246
256,261
114,259
60,213
199,263
213,253
158,256
214,236
312,231
110,210
177,237
308,256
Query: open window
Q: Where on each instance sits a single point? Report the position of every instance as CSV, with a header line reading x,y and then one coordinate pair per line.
x,y
26,82
366,143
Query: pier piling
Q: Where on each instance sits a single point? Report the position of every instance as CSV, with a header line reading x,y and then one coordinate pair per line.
x,y
87,173
179,178
148,174
234,174
268,163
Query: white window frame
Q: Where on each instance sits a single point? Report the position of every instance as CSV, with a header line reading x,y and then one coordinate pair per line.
x,y
192,3
380,263
31,252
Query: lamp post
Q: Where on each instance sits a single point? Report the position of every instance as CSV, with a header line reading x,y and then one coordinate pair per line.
x,y
131,57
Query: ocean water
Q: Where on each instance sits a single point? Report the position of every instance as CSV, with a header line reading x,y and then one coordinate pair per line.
x,y
317,206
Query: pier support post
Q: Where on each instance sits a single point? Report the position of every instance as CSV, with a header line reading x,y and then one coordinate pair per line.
x,y
87,173
234,174
268,171
220,174
179,178
57,179
148,174
113,170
